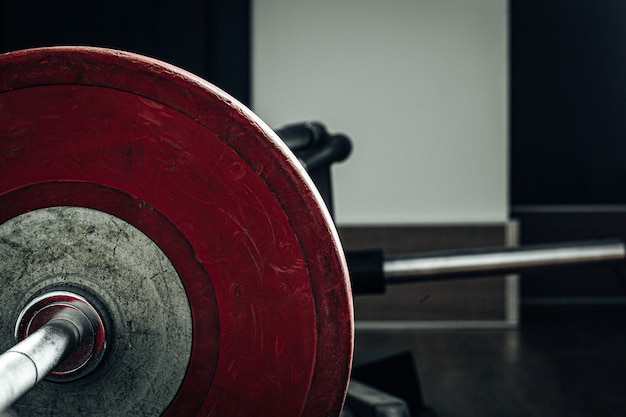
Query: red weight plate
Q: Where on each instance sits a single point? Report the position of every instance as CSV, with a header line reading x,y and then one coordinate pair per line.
x,y
219,193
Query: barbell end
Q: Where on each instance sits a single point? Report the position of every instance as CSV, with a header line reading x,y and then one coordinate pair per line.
x,y
28,362
366,271
71,326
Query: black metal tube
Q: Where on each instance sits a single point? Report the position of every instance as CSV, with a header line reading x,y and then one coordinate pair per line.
x,y
493,261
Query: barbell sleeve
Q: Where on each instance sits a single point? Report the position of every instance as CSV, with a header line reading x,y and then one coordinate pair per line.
x,y
29,361
370,271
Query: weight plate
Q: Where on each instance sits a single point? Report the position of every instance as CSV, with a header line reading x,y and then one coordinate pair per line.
x,y
217,192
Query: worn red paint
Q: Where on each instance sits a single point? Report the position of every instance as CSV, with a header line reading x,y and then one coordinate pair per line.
x,y
217,191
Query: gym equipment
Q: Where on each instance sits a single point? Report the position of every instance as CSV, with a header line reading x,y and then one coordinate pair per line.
x,y
371,270
317,150
186,222
163,252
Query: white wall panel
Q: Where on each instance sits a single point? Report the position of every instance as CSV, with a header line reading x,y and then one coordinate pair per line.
x,y
419,85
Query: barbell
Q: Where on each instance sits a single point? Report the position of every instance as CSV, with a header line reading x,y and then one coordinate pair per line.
x,y
163,252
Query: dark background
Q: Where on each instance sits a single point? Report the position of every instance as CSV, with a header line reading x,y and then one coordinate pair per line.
x,y
209,38
568,102
568,137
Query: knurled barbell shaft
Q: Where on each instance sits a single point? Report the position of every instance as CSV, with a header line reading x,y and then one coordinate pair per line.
x,y
28,362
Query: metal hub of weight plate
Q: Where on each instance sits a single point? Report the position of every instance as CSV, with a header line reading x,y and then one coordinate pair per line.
x,y
118,147
132,284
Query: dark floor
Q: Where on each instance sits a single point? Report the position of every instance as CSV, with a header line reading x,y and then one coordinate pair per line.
x,y
561,362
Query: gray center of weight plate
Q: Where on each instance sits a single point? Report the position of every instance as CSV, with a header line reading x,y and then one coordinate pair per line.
x,y
124,273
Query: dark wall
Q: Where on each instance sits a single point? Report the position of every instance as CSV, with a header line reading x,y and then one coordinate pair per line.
x,y
208,38
568,101
568,137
